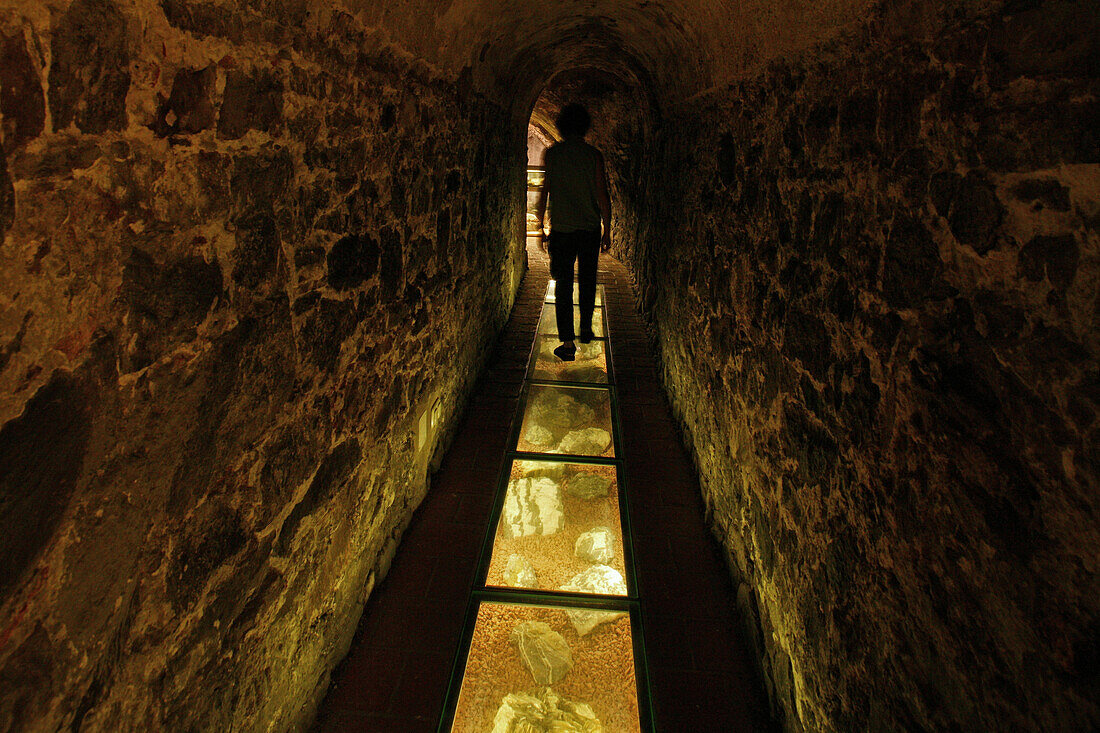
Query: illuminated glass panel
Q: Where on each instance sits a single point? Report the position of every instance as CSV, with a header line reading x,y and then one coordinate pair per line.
x,y
530,670
548,324
560,519
535,177
589,366
567,420
551,291
532,212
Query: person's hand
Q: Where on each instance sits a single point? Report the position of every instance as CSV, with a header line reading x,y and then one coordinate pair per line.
x,y
605,242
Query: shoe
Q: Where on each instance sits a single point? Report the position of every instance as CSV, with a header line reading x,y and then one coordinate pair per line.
x,y
586,337
566,353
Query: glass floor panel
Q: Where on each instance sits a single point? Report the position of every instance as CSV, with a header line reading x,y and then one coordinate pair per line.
x,y
551,292
567,420
548,323
560,529
589,366
530,670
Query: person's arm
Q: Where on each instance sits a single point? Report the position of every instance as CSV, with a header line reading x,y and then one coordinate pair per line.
x,y
604,200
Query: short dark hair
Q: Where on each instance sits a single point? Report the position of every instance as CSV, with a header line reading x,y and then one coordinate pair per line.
x,y
573,120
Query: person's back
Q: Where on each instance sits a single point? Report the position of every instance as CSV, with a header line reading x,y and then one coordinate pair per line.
x,y
571,171
576,186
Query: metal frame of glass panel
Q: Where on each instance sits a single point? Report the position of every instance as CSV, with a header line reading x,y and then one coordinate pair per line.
x,y
537,597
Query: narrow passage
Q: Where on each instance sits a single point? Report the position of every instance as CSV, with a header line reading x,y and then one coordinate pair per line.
x,y
647,604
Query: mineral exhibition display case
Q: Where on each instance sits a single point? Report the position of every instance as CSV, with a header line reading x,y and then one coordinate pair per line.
x,y
553,640
560,529
548,324
590,364
543,668
569,420
535,177
551,293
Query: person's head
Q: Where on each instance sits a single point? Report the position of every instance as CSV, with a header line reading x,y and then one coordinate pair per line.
x,y
573,121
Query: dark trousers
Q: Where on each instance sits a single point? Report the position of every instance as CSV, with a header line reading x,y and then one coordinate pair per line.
x,y
565,249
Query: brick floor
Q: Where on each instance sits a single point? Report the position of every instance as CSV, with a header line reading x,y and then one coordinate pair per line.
x,y
395,676
701,672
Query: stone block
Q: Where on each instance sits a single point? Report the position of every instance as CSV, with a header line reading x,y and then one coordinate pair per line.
x,y
22,102
90,68
251,102
189,108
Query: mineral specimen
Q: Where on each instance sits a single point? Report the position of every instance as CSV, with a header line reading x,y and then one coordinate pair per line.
x,y
545,711
538,435
588,486
543,651
532,506
544,469
583,373
585,442
597,579
597,546
586,352
519,573
558,412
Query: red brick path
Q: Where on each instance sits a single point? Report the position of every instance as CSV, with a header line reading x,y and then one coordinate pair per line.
x,y
395,676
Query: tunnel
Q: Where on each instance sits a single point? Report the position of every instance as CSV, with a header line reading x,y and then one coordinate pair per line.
x,y
264,261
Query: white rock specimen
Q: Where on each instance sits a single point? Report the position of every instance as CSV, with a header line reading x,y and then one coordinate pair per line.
x,y
597,579
519,573
558,412
532,506
596,546
585,442
591,350
546,711
538,435
588,486
544,469
601,579
544,651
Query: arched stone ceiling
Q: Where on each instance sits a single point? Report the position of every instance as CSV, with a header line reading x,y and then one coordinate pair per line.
x,y
676,48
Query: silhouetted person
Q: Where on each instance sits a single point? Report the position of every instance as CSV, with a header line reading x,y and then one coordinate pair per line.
x,y
576,186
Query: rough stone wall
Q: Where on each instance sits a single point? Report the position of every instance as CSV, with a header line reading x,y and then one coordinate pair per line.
x,y
245,247
874,276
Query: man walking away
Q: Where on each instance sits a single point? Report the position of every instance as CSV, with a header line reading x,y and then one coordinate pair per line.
x,y
576,186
